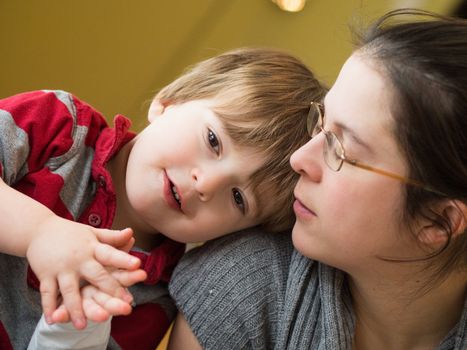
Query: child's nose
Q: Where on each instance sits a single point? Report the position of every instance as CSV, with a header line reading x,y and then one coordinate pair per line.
x,y
207,183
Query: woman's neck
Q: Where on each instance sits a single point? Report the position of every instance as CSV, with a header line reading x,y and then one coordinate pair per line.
x,y
389,317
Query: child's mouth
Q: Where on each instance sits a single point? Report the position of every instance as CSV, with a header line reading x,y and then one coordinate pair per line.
x,y
175,194
171,194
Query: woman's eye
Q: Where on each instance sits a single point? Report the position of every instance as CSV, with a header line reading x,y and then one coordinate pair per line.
x,y
238,199
213,141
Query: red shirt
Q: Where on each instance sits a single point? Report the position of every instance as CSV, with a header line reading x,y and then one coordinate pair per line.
x,y
54,148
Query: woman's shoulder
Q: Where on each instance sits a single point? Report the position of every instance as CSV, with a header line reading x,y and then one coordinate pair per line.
x,y
240,255
231,290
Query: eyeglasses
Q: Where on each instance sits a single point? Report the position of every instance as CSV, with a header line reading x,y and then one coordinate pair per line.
x,y
334,153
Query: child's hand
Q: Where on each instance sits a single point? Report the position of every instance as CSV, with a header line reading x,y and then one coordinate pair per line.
x,y
63,252
98,306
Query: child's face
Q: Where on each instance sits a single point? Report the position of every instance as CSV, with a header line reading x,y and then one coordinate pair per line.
x,y
186,179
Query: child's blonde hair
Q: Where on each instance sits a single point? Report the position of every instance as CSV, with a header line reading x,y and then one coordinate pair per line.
x,y
262,97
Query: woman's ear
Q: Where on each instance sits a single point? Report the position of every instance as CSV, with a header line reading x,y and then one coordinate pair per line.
x,y
454,213
156,109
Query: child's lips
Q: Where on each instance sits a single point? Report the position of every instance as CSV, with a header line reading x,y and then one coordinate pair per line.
x,y
170,193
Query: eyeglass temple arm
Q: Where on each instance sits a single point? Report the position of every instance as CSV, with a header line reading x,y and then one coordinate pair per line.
x,y
392,175
382,172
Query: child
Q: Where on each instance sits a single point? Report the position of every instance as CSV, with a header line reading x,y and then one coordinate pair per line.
x,y
213,160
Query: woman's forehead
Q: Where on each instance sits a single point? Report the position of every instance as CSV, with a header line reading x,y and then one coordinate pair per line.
x,y
361,94
361,100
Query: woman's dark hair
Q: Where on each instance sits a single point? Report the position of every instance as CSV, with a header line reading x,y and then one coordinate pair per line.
x,y
423,56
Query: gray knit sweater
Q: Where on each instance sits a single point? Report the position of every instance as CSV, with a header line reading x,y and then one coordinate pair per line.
x,y
252,290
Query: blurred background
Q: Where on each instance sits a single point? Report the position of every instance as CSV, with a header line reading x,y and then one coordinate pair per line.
x,y
116,54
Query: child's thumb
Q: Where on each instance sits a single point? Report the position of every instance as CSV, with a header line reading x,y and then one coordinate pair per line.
x,y
115,238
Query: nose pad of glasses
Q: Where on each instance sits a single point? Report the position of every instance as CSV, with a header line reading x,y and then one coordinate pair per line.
x,y
310,125
333,151
313,119
326,149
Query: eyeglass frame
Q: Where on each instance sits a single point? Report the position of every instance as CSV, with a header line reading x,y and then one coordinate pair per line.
x,y
312,125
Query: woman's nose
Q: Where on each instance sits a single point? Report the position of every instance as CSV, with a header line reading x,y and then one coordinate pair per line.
x,y
207,183
308,159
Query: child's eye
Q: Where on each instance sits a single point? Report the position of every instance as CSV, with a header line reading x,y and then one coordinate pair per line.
x,y
213,141
238,199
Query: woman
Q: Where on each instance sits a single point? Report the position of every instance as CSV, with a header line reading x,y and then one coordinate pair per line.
x,y
380,258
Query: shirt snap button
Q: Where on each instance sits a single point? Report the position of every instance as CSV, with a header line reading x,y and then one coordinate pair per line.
x,y
94,220
101,181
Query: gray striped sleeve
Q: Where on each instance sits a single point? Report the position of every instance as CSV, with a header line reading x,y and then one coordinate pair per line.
x,y
14,149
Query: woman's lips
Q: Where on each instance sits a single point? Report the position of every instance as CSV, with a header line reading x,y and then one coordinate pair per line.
x,y
302,211
168,194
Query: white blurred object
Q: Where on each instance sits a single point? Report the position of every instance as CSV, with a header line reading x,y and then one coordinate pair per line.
x,y
290,5
63,336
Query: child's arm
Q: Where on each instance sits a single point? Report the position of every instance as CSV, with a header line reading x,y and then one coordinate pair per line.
x,y
61,252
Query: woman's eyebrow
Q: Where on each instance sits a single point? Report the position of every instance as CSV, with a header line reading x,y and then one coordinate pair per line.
x,y
353,135
349,131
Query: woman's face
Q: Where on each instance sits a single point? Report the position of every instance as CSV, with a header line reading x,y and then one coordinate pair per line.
x,y
350,218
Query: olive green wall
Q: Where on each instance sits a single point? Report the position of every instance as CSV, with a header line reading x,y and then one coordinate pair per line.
x,y
115,54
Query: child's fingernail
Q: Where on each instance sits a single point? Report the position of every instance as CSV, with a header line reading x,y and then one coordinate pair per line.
x,y
80,323
127,296
124,294
48,319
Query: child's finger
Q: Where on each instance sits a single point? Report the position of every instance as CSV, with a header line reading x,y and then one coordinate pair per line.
x,y
128,278
110,256
69,287
101,278
115,238
94,311
96,301
49,293
61,315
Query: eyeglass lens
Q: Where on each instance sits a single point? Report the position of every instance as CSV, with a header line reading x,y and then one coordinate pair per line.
x,y
313,120
333,151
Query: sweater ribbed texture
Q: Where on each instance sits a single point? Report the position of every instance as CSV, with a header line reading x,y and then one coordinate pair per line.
x,y
215,304
252,290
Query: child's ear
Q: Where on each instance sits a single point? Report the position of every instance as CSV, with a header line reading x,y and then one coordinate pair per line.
x,y
454,213
156,109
